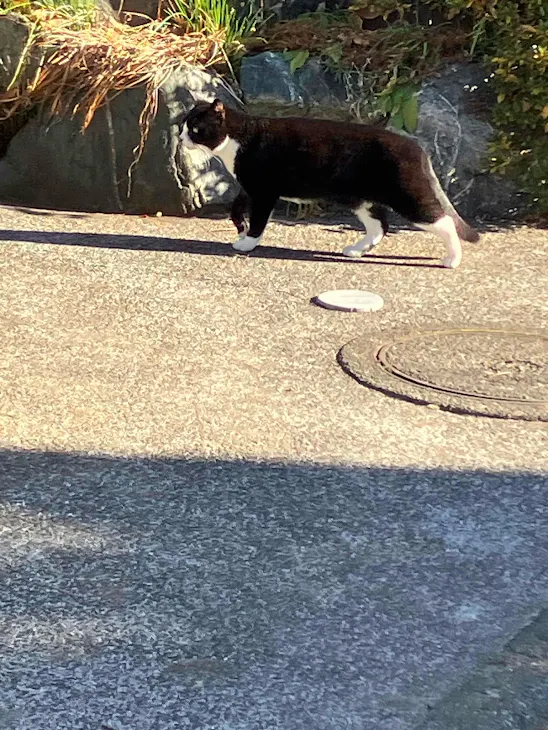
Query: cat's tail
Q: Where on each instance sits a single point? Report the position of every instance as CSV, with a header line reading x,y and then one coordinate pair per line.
x,y
465,231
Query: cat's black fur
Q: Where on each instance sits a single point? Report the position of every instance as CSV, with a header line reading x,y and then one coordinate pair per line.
x,y
317,159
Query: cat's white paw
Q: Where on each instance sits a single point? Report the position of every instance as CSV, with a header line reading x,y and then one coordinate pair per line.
x,y
353,252
246,244
451,262
361,247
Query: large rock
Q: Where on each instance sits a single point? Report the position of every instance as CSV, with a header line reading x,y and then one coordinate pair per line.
x,y
17,64
135,12
14,36
268,84
454,127
52,164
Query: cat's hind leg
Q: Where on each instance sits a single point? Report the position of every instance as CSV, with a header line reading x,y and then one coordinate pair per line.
x,y
261,210
446,229
430,216
373,218
419,197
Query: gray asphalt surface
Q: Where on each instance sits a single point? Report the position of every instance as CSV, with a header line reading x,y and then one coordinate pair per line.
x,y
207,524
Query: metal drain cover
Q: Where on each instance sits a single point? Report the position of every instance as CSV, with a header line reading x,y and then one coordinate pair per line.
x,y
482,371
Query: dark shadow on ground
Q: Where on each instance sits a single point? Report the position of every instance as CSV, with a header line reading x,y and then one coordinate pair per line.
x,y
343,217
194,593
206,248
51,213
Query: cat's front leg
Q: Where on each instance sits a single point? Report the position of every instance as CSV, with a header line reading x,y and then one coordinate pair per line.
x,y
361,247
239,208
373,217
261,210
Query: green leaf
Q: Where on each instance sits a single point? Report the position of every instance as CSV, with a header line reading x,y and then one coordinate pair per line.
x,y
410,113
396,120
296,59
399,95
334,52
387,104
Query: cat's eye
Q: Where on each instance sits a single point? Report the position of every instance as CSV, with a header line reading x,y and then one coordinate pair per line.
x,y
195,130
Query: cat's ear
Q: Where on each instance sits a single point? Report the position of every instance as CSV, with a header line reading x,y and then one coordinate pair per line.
x,y
218,107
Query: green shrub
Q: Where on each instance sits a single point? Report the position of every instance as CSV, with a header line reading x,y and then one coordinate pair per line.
x,y
512,38
521,77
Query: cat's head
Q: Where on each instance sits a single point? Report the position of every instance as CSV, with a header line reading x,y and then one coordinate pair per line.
x,y
205,125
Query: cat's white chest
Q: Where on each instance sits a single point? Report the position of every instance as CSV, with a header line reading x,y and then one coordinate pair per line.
x,y
227,151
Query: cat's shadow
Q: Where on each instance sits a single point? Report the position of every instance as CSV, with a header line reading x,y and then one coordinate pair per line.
x,y
205,248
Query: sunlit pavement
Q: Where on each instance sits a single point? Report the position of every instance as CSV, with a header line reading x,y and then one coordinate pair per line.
x,y
208,524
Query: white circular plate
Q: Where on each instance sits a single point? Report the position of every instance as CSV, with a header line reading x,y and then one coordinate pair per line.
x,y
350,300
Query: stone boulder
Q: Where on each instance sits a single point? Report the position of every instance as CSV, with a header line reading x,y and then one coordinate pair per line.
x,y
454,128
50,163
135,12
268,84
14,36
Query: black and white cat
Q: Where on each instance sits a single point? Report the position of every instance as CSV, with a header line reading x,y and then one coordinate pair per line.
x,y
365,167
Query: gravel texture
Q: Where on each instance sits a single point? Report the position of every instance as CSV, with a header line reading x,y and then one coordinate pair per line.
x,y
207,524
167,594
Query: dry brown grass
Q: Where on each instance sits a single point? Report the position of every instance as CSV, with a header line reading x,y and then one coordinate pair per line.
x,y
80,69
401,45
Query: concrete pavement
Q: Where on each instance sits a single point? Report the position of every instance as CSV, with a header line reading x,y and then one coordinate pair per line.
x,y
208,524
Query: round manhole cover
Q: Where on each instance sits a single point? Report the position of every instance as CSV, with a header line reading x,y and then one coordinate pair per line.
x,y
489,372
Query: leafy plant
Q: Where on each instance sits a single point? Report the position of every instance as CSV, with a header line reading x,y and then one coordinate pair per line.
x,y
216,18
401,103
81,13
334,53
